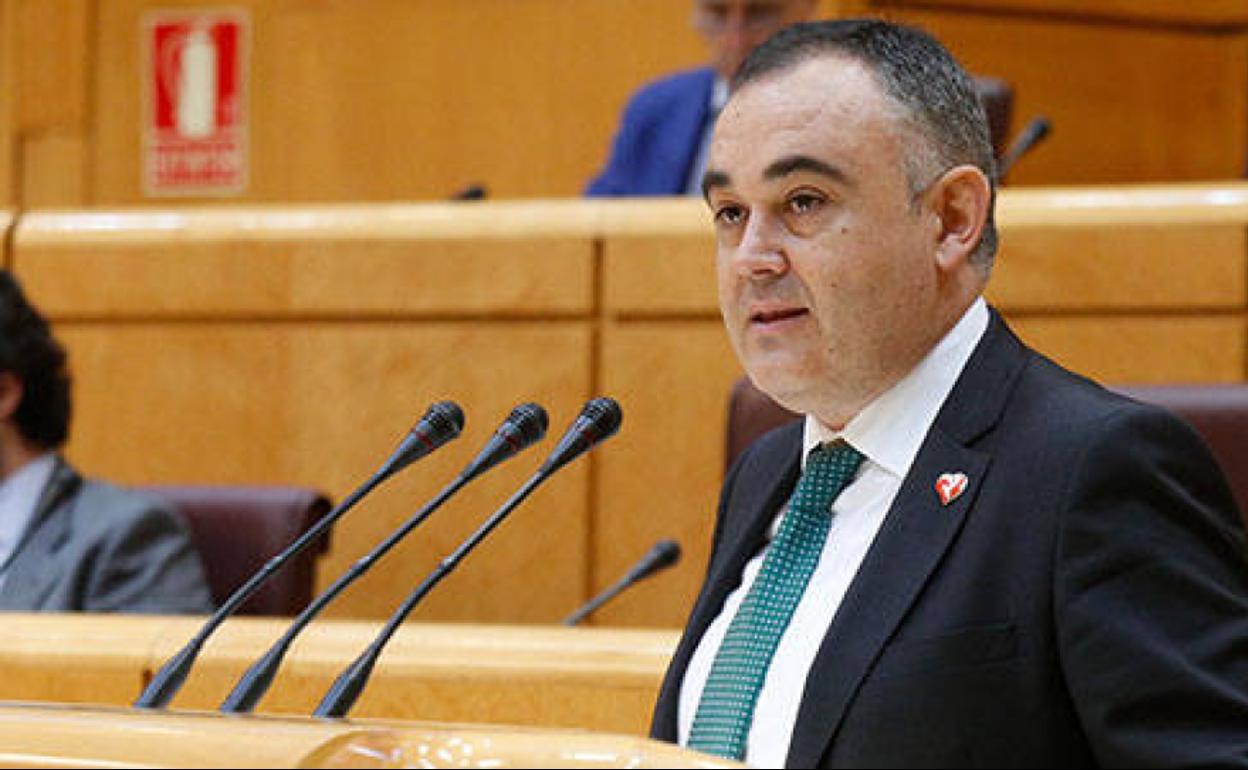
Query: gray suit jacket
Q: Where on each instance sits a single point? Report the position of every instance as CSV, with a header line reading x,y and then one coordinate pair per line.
x,y
94,547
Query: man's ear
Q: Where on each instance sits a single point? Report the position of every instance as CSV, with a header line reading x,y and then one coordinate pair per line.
x,y
11,390
961,199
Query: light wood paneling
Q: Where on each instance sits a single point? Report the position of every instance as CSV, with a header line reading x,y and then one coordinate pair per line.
x,y
1188,267
1205,13
52,124
446,259
54,167
51,736
524,97
8,102
664,477
324,404
595,679
1143,349
1122,106
519,96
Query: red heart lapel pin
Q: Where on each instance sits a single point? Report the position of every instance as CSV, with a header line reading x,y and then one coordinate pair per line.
x,y
949,486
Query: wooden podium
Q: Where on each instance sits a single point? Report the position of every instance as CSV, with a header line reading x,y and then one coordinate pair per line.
x,y
43,735
442,695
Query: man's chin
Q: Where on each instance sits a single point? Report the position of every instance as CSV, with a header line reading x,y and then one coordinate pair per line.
x,y
783,386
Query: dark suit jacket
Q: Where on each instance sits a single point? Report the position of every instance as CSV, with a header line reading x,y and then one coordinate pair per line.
x,y
94,547
1084,602
658,137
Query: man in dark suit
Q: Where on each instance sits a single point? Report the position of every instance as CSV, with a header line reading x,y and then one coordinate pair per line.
x,y
964,555
659,148
69,544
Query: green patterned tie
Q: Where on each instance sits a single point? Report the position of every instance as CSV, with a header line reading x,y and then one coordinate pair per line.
x,y
726,710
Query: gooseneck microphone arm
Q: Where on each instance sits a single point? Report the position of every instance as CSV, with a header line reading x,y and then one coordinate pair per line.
x,y
1036,129
599,419
442,422
525,426
664,554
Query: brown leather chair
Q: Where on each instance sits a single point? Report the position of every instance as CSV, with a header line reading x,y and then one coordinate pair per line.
x,y
238,528
1219,412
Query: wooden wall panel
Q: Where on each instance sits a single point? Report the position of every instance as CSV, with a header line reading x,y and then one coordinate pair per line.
x,y
601,679
1190,267
368,100
1131,99
663,479
537,676
53,125
412,99
8,103
1143,349
324,404
349,261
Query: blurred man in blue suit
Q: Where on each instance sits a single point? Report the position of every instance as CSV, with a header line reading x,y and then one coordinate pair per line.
x,y
660,146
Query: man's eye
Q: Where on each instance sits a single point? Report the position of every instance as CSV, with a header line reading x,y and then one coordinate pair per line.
x,y
728,215
804,203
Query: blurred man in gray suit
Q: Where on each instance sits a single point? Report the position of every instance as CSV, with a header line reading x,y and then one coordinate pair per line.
x,y
66,543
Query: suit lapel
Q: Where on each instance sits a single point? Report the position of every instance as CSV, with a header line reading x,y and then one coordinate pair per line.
x,y
30,567
917,531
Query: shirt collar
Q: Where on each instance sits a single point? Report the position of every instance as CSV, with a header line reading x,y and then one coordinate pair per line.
x,y
19,495
719,94
890,429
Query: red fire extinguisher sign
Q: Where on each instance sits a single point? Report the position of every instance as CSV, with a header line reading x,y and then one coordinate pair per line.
x,y
195,102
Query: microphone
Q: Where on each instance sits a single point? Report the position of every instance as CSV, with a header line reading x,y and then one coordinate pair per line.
x,y
662,555
442,422
599,420
473,192
1038,128
526,425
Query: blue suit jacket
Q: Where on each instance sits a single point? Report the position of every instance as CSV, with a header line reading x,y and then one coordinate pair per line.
x,y
1084,602
658,137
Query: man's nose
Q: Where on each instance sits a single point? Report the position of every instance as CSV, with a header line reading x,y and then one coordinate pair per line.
x,y
761,251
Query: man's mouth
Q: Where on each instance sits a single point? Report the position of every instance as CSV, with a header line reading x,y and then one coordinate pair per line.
x,y
776,315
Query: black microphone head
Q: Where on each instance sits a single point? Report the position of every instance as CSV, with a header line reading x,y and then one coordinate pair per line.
x,y
599,420
528,422
1041,127
666,553
603,416
525,426
441,422
444,418
662,555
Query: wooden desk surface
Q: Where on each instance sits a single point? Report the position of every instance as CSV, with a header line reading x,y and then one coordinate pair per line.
x,y
42,735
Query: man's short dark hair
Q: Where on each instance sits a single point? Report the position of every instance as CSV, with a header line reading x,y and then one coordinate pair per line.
x,y
29,351
919,75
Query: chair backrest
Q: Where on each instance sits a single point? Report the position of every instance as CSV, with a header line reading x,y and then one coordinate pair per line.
x,y
1219,412
997,96
238,528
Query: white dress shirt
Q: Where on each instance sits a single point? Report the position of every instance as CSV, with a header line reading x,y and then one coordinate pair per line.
x,y
19,494
888,432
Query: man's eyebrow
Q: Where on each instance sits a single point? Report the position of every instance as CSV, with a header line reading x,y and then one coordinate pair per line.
x,y
794,163
714,178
